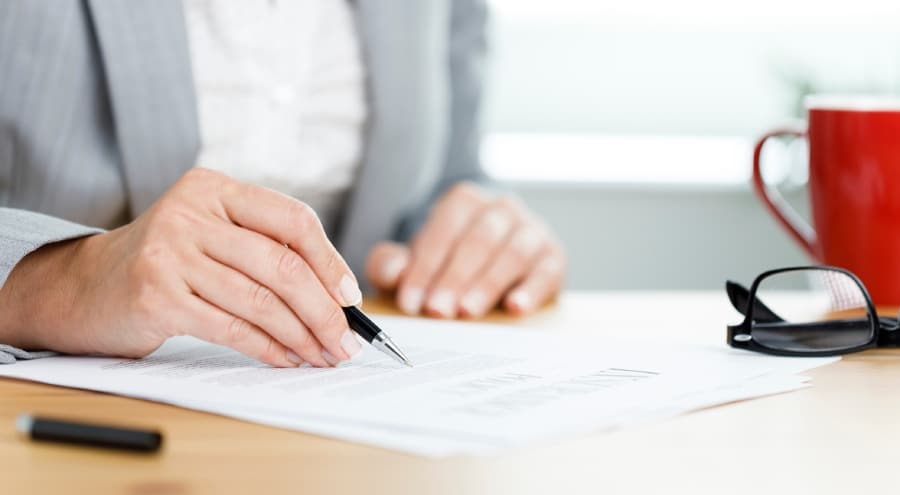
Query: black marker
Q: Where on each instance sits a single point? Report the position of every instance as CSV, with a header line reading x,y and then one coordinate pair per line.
x,y
368,330
54,430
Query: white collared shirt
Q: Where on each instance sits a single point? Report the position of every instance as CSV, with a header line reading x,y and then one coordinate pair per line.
x,y
280,91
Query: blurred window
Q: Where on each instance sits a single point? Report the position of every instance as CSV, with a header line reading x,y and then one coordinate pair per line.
x,y
663,92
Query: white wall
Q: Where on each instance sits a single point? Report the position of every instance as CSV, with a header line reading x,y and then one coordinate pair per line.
x,y
655,68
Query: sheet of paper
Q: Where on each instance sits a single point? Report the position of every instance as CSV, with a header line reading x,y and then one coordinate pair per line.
x,y
750,389
443,446
474,388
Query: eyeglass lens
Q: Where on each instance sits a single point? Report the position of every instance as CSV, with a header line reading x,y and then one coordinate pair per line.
x,y
812,310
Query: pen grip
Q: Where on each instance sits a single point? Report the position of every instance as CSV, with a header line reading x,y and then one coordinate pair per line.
x,y
361,324
95,435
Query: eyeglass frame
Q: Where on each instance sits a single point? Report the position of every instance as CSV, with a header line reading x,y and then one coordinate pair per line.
x,y
884,331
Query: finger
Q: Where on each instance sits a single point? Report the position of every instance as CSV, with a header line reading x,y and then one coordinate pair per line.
x,y
212,324
295,224
289,276
433,244
515,259
542,283
386,263
476,246
245,298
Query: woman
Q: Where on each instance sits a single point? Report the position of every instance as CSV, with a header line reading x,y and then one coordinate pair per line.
x,y
364,114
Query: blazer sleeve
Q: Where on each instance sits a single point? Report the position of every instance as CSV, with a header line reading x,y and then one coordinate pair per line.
x,y
466,56
22,232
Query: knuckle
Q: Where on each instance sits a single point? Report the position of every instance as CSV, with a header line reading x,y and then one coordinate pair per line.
x,y
509,203
184,220
560,264
225,186
163,208
202,181
272,352
152,252
202,175
307,345
480,233
335,318
518,254
332,323
262,299
488,231
150,260
171,217
551,266
465,190
237,332
288,265
526,242
303,218
524,245
334,265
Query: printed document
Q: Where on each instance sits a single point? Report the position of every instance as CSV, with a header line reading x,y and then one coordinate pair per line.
x,y
475,388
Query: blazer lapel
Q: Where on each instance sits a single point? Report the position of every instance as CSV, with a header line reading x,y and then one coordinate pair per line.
x,y
144,49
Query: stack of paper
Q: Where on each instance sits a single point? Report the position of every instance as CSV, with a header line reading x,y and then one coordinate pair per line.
x,y
475,389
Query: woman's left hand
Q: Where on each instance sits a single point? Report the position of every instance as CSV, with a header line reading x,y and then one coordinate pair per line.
x,y
473,252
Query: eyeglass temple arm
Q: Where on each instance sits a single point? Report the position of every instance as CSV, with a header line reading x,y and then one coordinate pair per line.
x,y
740,297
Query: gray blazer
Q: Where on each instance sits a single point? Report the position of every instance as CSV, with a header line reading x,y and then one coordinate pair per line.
x,y
98,117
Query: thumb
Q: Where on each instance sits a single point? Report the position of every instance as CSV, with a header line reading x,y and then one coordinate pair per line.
x,y
386,263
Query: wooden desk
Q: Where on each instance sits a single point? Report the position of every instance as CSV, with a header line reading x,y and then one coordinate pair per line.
x,y
841,435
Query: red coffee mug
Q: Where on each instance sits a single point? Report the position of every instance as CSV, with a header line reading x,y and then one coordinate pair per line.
x,y
854,186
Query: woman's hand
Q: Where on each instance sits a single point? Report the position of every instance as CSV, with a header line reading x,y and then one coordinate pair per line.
x,y
473,252
227,262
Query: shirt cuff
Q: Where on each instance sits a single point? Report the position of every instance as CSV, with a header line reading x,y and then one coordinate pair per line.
x,y
22,232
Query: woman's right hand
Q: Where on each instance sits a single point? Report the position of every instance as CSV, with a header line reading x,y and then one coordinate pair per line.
x,y
227,262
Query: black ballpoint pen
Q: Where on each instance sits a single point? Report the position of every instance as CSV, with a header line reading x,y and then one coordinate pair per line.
x,y
368,330
95,435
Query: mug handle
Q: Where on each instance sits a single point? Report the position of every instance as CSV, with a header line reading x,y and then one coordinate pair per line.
x,y
796,226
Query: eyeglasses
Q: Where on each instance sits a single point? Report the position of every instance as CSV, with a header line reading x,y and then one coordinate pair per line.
x,y
808,311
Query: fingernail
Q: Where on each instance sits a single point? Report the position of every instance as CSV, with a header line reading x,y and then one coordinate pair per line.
x,y
350,291
351,344
294,358
442,302
474,302
411,300
392,268
330,359
521,300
